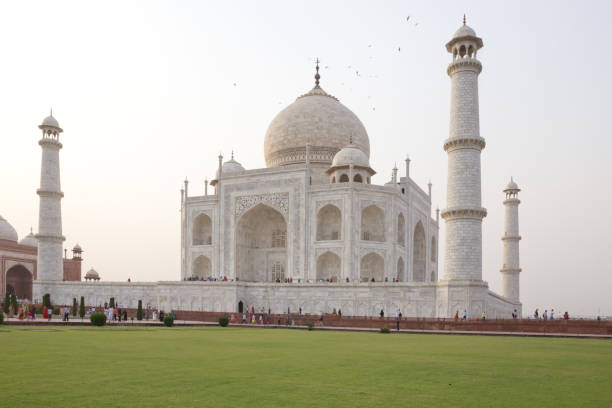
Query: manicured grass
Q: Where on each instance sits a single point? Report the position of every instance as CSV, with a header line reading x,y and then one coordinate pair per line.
x,y
232,367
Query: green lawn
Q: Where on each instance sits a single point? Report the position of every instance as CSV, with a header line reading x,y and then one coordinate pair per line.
x,y
232,367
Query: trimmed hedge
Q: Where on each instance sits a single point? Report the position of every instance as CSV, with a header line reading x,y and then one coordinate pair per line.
x,y
310,326
168,321
74,307
98,319
1,317
223,321
385,330
139,311
82,307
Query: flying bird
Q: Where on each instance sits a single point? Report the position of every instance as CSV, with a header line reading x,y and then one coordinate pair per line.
x,y
407,18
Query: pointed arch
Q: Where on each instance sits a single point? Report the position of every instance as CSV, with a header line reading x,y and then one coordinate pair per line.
x,y
373,224
434,250
400,270
201,267
358,178
261,245
418,253
372,266
19,281
329,223
329,266
344,178
202,230
401,229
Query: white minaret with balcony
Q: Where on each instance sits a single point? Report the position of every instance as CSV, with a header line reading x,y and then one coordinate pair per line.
x,y
50,239
511,264
464,212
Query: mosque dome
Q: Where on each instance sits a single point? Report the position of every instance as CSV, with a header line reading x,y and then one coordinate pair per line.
x,y
7,231
231,166
92,274
315,118
29,240
465,32
351,154
77,247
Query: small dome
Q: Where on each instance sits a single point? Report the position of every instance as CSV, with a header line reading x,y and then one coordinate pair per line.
x,y
92,274
29,240
464,31
351,154
77,248
512,186
232,166
50,121
7,231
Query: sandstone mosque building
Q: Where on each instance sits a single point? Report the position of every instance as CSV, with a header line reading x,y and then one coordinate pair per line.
x,y
310,230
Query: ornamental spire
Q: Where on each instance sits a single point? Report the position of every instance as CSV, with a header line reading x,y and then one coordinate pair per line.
x,y
464,19
317,76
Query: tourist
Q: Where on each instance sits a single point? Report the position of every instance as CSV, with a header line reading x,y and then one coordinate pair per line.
x,y
339,312
300,311
536,314
552,314
464,317
45,312
566,316
457,314
260,319
545,315
382,313
124,315
119,314
243,318
484,315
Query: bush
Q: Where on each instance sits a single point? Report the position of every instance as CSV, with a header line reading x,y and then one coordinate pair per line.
x,y
82,307
139,311
310,326
14,303
1,317
112,302
168,321
74,307
98,319
56,310
385,330
223,321
7,303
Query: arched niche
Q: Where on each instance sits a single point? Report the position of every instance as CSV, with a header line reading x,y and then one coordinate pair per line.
x,y
373,224
202,230
418,253
372,266
329,266
19,280
201,268
401,230
329,223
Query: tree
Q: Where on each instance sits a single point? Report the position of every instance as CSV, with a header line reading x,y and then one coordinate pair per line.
x,y
74,307
7,303
112,302
139,312
82,307
14,303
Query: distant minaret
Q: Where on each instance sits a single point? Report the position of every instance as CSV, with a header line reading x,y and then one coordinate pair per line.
x,y
464,213
50,239
510,269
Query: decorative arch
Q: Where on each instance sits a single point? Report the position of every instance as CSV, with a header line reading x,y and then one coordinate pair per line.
x,y
401,230
201,268
358,178
329,223
434,250
19,281
344,178
372,266
329,266
400,270
418,253
261,245
373,224
202,230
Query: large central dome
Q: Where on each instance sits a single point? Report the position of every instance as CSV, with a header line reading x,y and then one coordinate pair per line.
x,y
316,118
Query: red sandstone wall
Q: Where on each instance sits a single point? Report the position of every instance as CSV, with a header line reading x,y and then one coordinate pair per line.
x,y
72,270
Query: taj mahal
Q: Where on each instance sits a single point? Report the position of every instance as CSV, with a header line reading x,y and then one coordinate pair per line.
x,y
309,231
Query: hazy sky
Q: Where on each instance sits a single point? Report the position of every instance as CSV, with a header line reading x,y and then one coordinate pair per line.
x,y
145,93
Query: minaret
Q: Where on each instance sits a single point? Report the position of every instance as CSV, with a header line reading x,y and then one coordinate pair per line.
x,y
464,213
50,238
510,269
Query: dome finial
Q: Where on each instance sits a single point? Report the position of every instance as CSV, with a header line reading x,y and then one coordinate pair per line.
x,y
351,138
232,154
463,19
317,76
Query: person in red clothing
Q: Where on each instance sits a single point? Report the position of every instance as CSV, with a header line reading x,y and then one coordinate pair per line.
x,y
457,315
45,312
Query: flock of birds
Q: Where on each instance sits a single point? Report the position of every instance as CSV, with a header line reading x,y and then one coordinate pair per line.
x,y
358,74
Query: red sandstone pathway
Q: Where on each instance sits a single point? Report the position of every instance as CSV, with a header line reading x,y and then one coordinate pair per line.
x,y
75,322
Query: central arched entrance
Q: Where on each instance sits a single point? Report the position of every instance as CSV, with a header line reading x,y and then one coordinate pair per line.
x,y
19,281
261,245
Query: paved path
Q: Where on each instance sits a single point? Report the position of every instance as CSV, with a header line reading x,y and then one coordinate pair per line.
x,y
74,322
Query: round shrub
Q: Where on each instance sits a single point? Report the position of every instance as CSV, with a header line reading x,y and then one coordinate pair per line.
x,y
310,326
56,310
168,321
223,321
385,330
98,319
